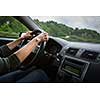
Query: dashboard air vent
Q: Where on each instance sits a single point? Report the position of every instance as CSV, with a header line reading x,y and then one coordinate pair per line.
x,y
71,51
90,55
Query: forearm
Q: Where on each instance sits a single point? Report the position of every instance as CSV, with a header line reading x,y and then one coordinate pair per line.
x,y
27,49
13,44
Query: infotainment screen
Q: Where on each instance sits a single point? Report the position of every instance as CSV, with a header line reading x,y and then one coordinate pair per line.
x,y
72,69
75,67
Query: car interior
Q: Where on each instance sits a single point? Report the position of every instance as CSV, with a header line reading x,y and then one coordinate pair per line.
x,y
63,61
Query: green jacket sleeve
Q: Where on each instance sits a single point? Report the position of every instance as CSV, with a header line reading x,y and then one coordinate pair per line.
x,y
5,51
9,63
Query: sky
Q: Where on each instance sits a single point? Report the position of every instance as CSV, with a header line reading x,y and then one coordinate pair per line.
x,y
90,22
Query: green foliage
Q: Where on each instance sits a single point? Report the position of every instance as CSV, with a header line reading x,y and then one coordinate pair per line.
x,y
68,33
10,26
8,34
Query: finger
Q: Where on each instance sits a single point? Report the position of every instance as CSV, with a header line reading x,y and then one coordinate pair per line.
x,y
29,31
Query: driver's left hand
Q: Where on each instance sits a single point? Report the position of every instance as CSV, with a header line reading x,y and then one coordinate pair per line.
x,y
26,35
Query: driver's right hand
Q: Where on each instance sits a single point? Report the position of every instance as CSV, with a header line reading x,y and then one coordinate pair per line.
x,y
42,37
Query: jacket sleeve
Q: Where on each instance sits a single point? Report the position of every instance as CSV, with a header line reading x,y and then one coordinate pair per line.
x,y
5,51
9,63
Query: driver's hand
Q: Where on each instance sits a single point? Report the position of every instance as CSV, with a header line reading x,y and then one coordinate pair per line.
x,y
42,37
26,35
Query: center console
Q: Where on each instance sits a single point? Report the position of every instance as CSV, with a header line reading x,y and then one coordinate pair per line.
x,y
72,67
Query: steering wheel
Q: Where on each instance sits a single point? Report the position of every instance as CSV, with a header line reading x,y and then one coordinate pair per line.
x,y
38,49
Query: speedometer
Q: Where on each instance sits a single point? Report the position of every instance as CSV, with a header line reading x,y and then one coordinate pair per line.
x,y
53,49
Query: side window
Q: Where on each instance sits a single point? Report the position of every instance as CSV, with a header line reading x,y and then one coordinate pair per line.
x,y
10,27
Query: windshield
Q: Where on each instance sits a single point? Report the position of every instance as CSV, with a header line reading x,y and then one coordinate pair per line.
x,y
71,28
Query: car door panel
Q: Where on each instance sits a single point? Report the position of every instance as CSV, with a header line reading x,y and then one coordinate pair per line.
x,y
4,41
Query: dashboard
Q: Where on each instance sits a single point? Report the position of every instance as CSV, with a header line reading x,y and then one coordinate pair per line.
x,y
76,61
